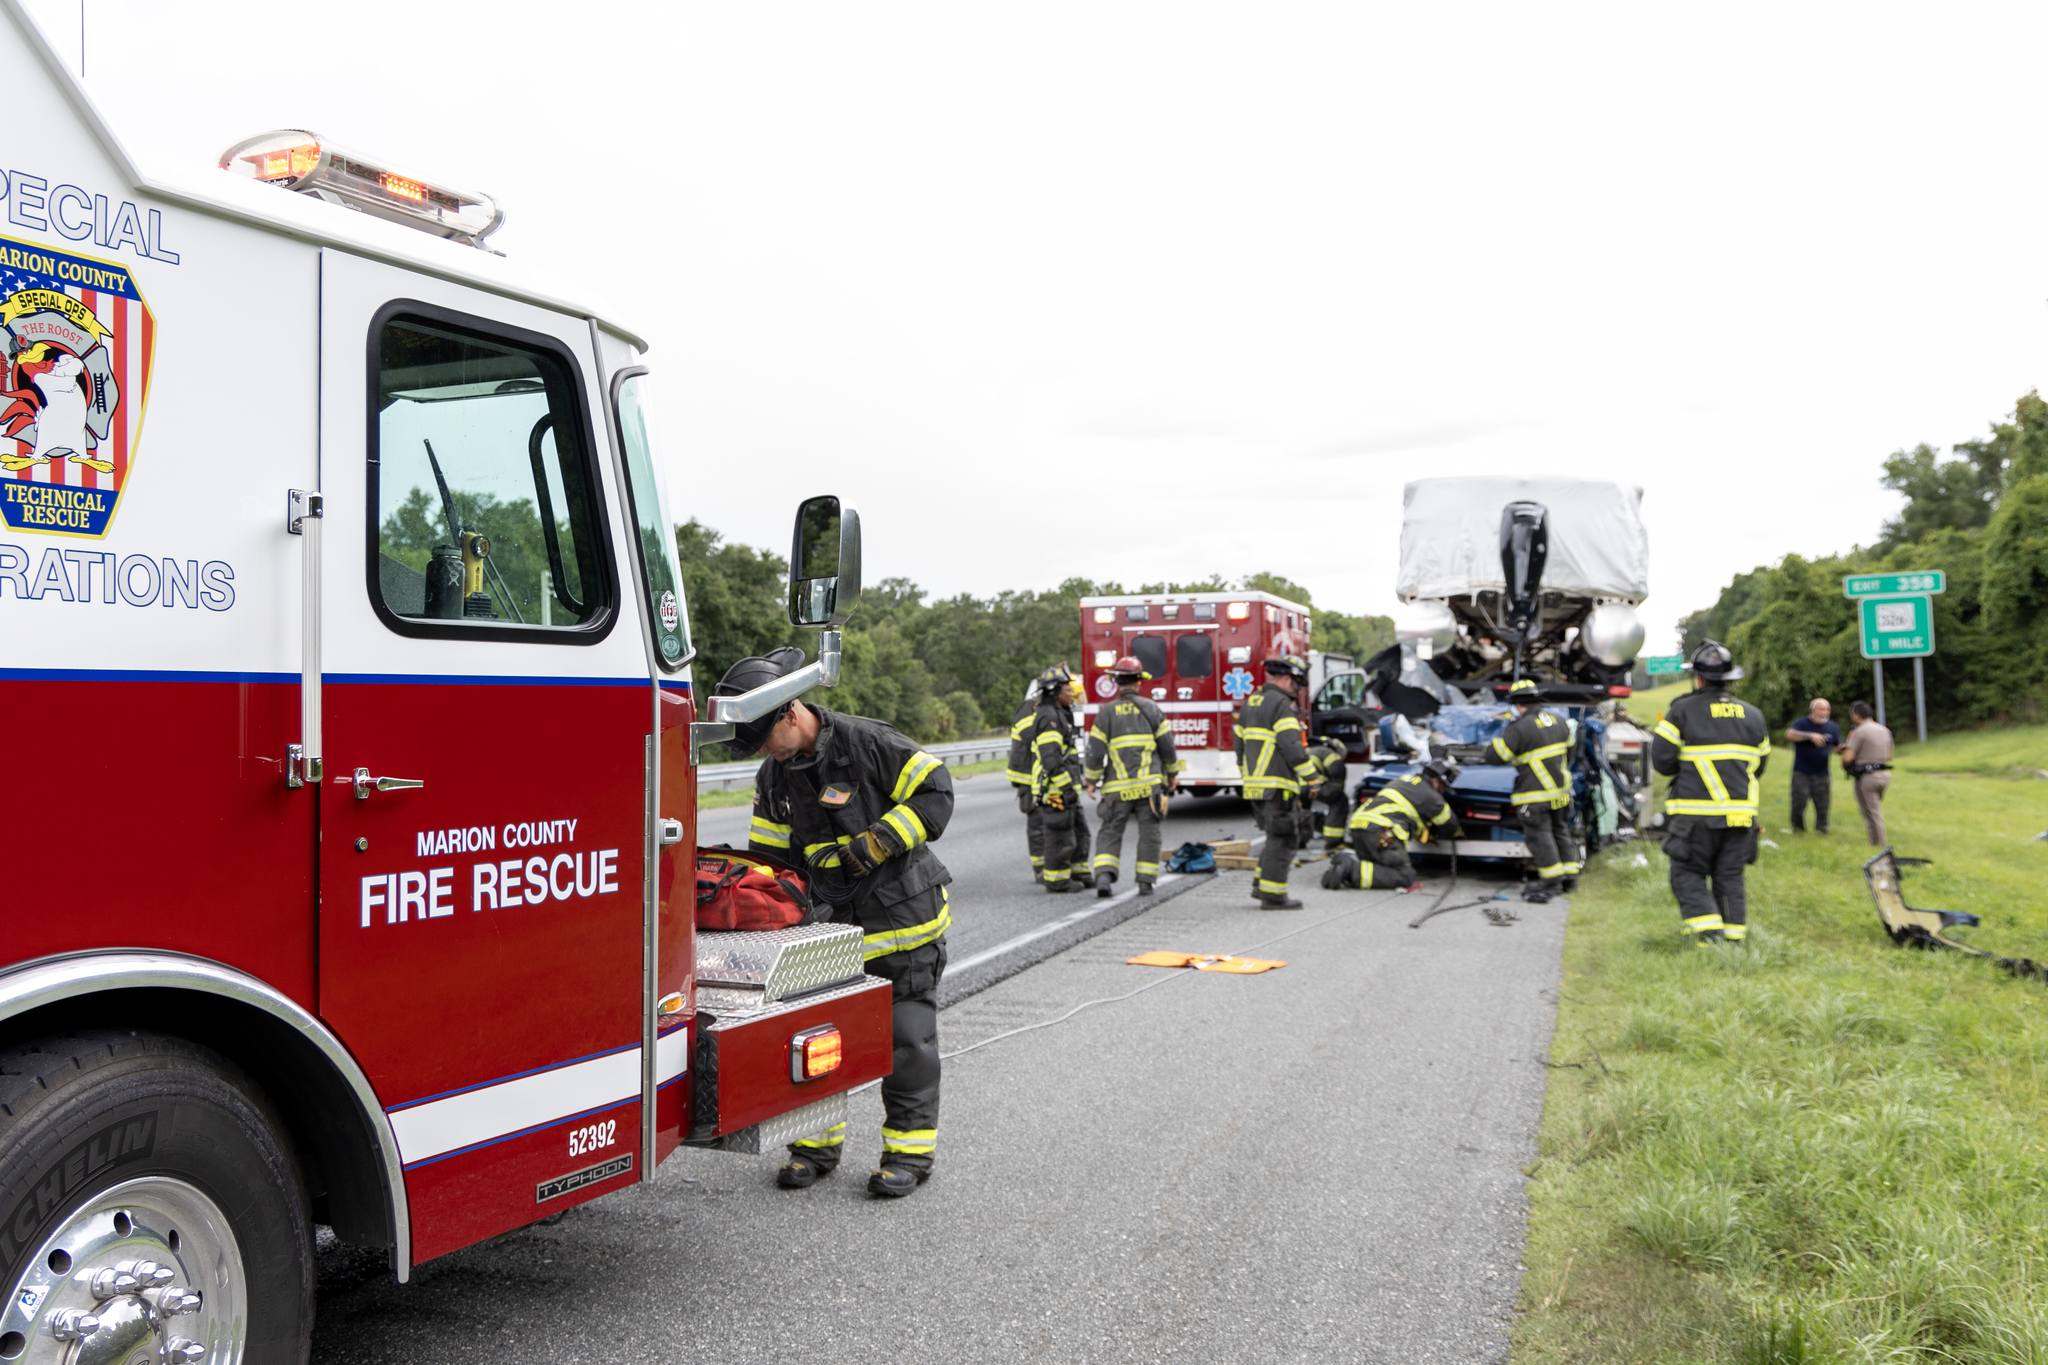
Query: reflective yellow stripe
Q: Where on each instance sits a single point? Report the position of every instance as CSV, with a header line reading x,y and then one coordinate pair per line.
x,y
769,833
1165,730
1104,860
1018,779
1664,729
1539,754
1254,732
1550,870
1284,724
1442,816
1394,798
1719,751
1372,817
1700,924
916,769
831,1137
912,1141
1148,869
1735,931
1685,806
1552,797
1272,888
908,827
885,941
1500,746
1365,870
1022,729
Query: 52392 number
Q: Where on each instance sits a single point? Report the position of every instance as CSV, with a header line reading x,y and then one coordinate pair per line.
x,y
593,1137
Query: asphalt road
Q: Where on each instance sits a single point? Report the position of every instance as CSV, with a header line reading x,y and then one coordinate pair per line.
x,y
1320,1163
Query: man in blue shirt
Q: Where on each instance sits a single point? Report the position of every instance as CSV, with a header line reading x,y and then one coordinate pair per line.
x,y
1814,738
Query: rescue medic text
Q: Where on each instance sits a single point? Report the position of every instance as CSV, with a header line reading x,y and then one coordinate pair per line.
x,y
429,893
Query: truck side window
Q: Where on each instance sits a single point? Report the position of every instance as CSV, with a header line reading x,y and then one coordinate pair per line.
x,y
652,527
1150,652
1193,655
484,512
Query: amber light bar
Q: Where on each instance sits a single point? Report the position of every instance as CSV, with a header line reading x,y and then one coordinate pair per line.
x,y
294,159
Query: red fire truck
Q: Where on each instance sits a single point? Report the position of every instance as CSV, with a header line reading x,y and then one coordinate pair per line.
x,y
352,739
1204,651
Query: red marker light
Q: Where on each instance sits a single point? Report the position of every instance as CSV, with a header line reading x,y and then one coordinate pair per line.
x,y
1619,690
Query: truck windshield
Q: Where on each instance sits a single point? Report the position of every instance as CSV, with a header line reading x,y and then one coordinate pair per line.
x,y
653,530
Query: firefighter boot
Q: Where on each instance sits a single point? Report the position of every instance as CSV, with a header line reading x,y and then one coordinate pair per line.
x,y
1105,885
893,1182
1281,902
799,1174
1144,888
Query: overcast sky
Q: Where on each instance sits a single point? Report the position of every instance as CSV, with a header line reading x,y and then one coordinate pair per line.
x,y
1144,291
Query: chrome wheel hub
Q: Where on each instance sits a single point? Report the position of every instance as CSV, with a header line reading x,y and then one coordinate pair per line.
x,y
146,1273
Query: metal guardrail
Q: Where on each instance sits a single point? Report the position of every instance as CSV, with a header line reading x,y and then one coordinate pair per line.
x,y
725,777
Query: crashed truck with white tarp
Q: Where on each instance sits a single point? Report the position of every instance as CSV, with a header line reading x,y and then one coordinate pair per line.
x,y
1509,578
1519,577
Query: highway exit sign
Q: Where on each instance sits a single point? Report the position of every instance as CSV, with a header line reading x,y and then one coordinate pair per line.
x,y
1893,584
1664,663
1898,627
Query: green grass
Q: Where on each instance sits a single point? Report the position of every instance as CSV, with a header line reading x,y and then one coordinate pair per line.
x,y
1648,706
744,796
1818,1147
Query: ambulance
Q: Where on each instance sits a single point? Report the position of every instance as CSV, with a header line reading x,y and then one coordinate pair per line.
x,y
1204,652
351,744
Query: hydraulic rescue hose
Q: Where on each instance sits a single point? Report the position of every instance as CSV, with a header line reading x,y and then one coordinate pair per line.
x,y
833,882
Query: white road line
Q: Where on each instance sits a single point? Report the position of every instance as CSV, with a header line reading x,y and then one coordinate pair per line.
x,y
1010,945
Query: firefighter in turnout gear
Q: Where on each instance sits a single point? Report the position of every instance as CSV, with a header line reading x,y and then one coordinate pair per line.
x,y
860,802
1132,763
1056,781
1539,745
1276,772
1385,823
1329,793
1019,774
1713,747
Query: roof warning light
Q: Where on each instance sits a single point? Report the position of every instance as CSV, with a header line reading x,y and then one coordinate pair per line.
x,y
294,159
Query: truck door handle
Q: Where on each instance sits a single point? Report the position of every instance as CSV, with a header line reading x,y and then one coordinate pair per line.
x,y
365,784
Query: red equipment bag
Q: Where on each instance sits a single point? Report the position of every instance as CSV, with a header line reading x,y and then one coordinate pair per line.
x,y
749,891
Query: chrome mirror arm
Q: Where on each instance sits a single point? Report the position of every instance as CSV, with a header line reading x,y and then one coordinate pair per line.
x,y
726,713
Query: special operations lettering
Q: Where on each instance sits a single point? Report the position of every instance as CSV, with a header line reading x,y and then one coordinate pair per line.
x,y
101,577
75,215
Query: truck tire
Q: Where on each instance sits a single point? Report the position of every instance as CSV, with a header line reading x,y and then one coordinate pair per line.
x,y
150,1207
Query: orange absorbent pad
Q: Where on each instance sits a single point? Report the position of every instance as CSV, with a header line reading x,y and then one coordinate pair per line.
x,y
1208,962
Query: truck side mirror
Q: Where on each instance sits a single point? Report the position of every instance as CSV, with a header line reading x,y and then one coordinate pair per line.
x,y
824,563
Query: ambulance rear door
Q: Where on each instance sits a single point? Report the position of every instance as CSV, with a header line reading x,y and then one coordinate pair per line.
x,y
486,704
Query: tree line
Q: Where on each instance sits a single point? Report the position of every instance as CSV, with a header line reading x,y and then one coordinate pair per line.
x,y
1981,516
939,669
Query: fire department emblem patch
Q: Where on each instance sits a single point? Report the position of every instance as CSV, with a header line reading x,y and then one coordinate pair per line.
x,y
77,340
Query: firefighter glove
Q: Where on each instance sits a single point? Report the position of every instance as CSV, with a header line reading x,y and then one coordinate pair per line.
x,y
1055,800
868,850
